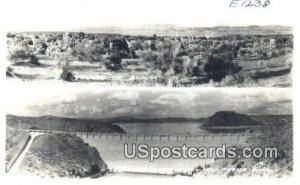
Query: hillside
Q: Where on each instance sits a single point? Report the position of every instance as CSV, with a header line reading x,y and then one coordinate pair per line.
x,y
270,120
230,119
61,124
62,155
173,30
14,144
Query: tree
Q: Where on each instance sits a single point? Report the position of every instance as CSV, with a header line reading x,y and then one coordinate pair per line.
x,y
113,62
150,57
93,52
178,65
220,65
120,47
165,59
81,34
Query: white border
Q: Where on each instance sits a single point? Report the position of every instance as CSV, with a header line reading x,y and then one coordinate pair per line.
x,y
58,14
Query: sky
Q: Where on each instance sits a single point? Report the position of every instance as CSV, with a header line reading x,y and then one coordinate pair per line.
x,y
54,15
145,102
20,15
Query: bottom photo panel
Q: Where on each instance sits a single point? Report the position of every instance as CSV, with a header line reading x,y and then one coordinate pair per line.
x,y
150,132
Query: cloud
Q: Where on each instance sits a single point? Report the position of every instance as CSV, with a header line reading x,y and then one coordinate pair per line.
x,y
194,103
168,99
129,95
174,99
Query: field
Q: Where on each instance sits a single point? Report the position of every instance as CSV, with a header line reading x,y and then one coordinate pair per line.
x,y
177,61
275,72
89,72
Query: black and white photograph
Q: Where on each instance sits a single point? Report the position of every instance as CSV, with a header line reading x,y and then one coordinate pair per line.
x,y
110,133
155,55
149,91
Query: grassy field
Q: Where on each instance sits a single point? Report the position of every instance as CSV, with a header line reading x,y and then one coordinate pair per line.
x,y
274,72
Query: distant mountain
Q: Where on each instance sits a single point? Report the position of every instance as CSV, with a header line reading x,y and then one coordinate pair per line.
x,y
61,124
152,120
230,119
109,125
173,30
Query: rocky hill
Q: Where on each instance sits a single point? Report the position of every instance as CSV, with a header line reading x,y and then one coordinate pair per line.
x,y
61,124
230,119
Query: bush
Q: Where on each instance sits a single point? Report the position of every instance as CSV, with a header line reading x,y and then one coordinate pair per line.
x,y
17,55
120,47
23,56
93,52
220,65
67,75
113,62
178,65
34,60
165,59
10,72
149,57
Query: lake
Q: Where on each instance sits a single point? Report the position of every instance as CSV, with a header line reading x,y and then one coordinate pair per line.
x,y
163,128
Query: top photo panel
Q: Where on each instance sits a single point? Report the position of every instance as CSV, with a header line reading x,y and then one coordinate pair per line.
x,y
154,55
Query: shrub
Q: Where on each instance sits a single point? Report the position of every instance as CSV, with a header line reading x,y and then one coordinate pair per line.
x,y
113,62
220,65
137,45
120,47
9,72
67,75
93,52
178,65
165,59
17,55
34,60
150,57
23,56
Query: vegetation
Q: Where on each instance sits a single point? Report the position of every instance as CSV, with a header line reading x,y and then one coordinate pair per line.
x,y
200,57
21,56
62,155
219,66
62,124
67,75
276,132
14,144
280,135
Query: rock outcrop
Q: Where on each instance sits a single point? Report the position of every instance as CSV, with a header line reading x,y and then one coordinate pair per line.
x,y
230,118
